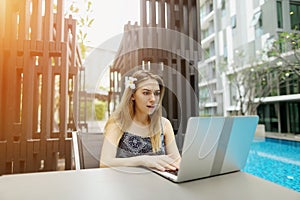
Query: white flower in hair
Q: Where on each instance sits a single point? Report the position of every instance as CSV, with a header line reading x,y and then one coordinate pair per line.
x,y
129,82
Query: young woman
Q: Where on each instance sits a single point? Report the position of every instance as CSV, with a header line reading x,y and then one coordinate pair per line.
x,y
136,134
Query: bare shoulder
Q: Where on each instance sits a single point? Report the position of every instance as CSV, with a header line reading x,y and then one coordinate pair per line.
x,y
165,121
112,130
167,126
110,126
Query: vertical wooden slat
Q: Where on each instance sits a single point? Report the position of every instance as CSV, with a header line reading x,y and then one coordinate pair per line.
x,y
172,14
161,14
36,156
3,143
36,20
152,13
35,103
59,23
55,153
170,17
9,167
73,43
49,156
76,97
191,19
144,13
2,28
29,157
10,79
28,93
18,88
46,73
48,21
23,147
63,95
16,156
24,20
68,163
2,156
2,19
182,24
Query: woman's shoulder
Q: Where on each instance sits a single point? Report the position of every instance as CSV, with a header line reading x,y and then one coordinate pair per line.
x,y
112,125
167,127
110,122
165,121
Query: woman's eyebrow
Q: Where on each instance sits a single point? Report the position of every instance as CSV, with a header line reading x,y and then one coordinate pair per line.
x,y
150,90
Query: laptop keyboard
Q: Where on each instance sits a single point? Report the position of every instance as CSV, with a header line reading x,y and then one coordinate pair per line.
x,y
175,172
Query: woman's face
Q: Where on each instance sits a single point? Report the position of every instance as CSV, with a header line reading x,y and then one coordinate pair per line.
x,y
147,97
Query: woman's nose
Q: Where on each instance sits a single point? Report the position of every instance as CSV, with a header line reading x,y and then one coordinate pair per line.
x,y
152,97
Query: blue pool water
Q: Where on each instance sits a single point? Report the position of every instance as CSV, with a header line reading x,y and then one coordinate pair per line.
x,y
275,160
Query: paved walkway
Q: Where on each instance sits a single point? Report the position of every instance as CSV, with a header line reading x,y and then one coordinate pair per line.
x,y
284,136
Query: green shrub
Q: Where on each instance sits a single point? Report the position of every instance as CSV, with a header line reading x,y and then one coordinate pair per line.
x,y
99,107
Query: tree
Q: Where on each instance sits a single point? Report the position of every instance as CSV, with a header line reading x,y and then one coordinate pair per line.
x,y
285,51
252,83
81,10
261,78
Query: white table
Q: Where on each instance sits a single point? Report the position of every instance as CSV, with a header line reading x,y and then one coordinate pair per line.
x,y
136,183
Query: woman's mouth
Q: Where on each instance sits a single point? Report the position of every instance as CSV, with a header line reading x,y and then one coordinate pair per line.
x,y
151,109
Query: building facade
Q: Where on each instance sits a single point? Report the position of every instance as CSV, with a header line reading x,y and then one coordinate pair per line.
x,y
235,33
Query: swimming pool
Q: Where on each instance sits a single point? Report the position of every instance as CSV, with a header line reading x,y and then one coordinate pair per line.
x,y
275,160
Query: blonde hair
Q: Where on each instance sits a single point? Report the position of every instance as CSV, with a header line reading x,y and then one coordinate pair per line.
x,y
125,111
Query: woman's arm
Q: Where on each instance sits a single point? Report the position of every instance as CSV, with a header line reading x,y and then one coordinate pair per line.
x,y
170,141
109,150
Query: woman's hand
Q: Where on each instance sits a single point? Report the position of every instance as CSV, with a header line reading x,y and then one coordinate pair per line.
x,y
161,162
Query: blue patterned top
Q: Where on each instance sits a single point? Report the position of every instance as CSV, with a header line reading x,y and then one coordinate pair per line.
x,y
134,145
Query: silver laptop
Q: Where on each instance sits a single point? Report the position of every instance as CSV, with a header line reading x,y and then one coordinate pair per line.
x,y
214,146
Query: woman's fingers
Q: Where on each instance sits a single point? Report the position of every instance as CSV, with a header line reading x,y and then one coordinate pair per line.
x,y
171,161
162,163
167,162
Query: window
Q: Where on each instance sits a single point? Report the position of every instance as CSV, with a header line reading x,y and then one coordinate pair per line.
x,y
279,14
257,23
295,15
283,88
205,33
225,52
202,12
212,49
294,84
269,116
294,108
211,7
233,94
206,53
233,21
223,7
257,19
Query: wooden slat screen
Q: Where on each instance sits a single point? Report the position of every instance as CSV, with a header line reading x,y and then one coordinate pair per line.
x,y
39,66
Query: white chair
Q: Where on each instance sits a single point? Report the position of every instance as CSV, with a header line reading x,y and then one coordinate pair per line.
x,y
87,149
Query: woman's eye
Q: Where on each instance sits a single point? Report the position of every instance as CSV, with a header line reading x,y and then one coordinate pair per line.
x,y
157,93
